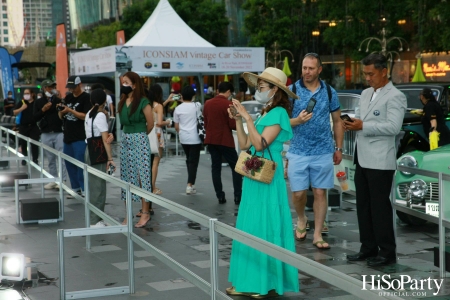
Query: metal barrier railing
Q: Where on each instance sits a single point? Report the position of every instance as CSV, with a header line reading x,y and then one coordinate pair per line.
x,y
313,268
442,222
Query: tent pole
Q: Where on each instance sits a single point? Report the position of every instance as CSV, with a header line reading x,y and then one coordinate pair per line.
x,y
202,93
117,100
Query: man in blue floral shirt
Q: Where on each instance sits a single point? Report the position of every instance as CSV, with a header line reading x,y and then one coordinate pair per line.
x,y
313,151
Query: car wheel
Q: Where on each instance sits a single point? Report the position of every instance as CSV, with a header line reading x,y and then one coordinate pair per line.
x,y
410,220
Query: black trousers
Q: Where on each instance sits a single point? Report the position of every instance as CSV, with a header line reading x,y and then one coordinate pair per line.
x,y
230,155
374,211
34,133
192,158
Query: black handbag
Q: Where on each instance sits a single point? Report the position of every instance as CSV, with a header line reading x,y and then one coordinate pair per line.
x,y
96,148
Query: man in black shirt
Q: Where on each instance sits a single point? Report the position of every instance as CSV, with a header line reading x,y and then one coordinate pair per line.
x,y
73,112
47,118
9,104
27,125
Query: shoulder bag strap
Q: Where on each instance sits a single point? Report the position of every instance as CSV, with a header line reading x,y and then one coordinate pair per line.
x,y
92,125
265,146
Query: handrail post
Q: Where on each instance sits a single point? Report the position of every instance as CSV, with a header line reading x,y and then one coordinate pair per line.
x,y
213,247
441,229
61,189
30,154
86,207
394,214
129,208
16,141
16,192
41,175
62,279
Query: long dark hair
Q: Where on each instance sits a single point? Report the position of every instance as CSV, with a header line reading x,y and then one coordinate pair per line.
x,y
138,92
158,93
279,99
150,97
98,97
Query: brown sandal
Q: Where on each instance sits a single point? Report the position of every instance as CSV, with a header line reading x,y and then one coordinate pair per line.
x,y
143,225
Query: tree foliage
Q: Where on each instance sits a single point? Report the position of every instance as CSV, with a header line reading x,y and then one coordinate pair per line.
x,y
357,20
205,17
281,21
100,36
291,22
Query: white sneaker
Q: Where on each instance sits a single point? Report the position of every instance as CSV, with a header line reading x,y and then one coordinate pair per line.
x,y
51,186
193,189
100,224
189,190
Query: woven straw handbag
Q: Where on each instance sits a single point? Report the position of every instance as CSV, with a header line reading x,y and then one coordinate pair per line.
x,y
256,167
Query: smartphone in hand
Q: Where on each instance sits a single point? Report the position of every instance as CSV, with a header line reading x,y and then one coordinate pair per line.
x,y
233,110
346,118
310,106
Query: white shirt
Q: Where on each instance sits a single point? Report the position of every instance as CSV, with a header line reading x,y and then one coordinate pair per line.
x,y
376,93
186,116
100,125
108,102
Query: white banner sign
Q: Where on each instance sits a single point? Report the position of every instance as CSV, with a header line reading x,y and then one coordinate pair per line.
x,y
94,61
193,60
160,60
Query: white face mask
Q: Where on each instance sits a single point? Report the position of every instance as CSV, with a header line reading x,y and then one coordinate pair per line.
x,y
26,97
263,97
48,94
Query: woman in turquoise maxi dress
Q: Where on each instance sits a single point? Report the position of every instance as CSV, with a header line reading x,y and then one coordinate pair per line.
x,y
264,210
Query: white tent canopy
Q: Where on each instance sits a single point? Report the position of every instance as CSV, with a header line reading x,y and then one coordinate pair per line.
x,y
165,28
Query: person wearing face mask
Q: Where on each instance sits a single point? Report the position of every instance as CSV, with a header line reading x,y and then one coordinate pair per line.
x,y
9,104
27,126
50,124
96,123
219,139
73,112
264,211
136,116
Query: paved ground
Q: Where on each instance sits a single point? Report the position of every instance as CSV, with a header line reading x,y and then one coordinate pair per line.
x,y
187,242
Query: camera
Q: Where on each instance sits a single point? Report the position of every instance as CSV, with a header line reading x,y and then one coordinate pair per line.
x,y
60,107
176,97
111,169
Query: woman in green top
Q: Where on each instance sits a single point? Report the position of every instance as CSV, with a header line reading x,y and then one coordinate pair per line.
x,y
136,116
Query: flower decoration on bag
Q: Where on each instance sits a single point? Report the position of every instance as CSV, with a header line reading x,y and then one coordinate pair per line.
x,y
252,165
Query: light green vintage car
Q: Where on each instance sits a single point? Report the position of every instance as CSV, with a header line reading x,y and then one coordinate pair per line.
x,y
417,191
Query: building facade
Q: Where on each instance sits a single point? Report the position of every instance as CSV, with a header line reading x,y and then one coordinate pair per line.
x,y
26,22
40,18
86,13
11,23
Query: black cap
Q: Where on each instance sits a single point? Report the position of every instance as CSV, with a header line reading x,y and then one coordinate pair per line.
x,y
72,82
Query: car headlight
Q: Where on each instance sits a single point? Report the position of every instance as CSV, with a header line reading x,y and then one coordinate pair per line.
x,y
407,161
418,188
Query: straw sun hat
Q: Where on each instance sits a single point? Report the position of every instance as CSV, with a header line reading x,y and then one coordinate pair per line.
x,y
272,75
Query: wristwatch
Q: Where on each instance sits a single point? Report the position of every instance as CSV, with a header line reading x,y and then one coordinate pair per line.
x,y
338,149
